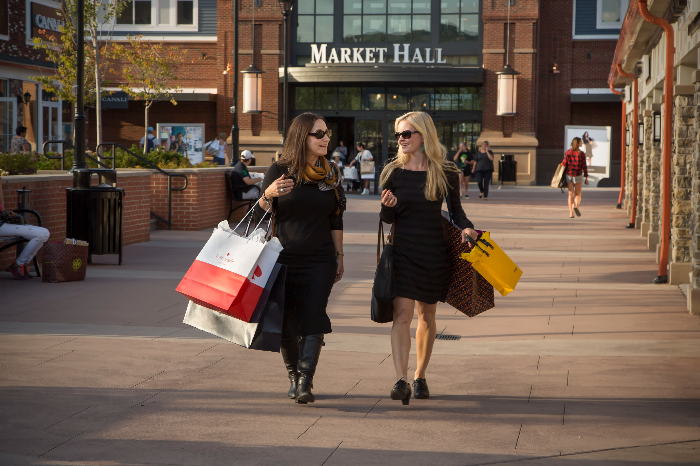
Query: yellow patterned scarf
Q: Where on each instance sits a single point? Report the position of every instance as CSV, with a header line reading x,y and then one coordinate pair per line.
x,y
326,177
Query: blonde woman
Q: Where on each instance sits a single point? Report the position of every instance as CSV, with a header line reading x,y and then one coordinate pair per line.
x,y
415,184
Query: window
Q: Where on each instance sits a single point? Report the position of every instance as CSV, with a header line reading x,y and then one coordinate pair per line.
x,y
386,21
459,20
315,21
610,13
392,98
160,13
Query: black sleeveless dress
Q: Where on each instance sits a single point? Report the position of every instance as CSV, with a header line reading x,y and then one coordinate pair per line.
x,y
421,265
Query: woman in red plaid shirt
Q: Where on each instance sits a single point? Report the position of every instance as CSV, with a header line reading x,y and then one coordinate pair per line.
x,y
576,171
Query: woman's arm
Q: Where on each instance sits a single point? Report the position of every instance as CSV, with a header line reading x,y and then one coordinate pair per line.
x,y
388,214
458,216
338,243
490,154
272,186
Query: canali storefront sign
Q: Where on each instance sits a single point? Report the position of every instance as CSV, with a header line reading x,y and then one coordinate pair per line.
x,y
402,53
45,21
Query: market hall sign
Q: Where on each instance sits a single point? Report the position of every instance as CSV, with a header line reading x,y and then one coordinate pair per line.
x,y
402,54
46,21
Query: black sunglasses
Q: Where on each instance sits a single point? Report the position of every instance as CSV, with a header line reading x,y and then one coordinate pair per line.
x,y
320,133
404,134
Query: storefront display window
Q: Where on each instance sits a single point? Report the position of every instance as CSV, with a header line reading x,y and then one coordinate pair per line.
x,y
315,21
158,12
379,21
459,20
392,98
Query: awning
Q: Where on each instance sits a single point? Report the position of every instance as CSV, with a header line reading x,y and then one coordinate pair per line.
x,y
385,74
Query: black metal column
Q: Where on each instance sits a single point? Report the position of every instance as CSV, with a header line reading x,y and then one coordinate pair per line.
x,y
79,120
235,152
285,85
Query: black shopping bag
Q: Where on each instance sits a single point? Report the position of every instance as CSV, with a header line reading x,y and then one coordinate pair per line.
x,y
384,288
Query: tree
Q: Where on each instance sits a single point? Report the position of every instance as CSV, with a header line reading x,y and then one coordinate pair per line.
x,y
148,69
99,17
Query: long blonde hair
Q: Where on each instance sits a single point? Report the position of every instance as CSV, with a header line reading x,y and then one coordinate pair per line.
x,y
436,186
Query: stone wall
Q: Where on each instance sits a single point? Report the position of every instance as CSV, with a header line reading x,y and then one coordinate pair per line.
x,y
628,167
645,154
652,182
681,180
694,227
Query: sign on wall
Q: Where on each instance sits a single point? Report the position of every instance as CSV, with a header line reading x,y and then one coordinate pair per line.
x,y
596,145
185,138
398,53
119,99
45,21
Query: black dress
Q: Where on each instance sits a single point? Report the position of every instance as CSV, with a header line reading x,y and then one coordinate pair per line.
x,y
421,265
304,219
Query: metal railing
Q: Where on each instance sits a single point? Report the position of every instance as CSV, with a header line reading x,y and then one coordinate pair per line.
x,y
61,157
114,145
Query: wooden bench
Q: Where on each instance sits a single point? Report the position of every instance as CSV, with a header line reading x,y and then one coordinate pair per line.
x,y
7,242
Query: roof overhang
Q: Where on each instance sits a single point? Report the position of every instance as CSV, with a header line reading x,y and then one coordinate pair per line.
x,y
383,74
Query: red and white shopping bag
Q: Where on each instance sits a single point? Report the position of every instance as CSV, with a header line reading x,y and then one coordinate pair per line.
x,y
230,273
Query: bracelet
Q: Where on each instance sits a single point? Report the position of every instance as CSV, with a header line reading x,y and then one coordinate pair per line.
x,y
266,200
339,253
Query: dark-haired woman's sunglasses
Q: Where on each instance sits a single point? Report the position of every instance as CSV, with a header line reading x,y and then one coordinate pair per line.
x,y
405,134
320,133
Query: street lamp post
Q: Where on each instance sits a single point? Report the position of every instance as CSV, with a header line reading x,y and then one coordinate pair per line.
x,y
286,6
508,82
80,119
234,108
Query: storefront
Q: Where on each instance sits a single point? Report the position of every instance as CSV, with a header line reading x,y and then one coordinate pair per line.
x,y
362,63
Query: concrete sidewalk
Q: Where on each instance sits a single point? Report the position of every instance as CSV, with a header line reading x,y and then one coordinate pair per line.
x,y
585,363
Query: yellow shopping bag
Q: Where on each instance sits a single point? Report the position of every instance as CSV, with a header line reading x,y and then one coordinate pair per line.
x,y
494,264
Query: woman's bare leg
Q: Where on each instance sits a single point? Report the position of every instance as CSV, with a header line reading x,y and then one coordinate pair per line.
x,y
466,184
571,198
578,194
425,337
401,335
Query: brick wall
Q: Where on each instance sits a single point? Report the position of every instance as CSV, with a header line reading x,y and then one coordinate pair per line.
x,y
48,198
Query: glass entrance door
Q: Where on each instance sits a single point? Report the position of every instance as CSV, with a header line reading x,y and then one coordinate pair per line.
x,y
371,133
51,119
8,122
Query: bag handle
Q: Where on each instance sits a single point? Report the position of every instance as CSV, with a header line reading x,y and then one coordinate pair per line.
x,y
380,238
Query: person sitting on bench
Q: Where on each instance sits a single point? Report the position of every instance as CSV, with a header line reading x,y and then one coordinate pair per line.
x,y
37,236
241,179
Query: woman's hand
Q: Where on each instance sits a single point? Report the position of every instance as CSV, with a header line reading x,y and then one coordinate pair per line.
x,y
586,180
388,198
468,231
280,187
339,271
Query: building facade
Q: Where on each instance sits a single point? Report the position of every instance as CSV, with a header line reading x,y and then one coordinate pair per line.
x,y
641,56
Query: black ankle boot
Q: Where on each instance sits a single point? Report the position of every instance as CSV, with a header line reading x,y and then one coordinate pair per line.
x,y
289,347
309,351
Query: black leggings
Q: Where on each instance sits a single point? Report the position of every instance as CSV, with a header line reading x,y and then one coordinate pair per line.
x,y
483,179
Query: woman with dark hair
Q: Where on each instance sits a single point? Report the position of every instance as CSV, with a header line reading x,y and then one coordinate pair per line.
x,y
483,167
415,184
589,144
363,155
576,170
19,142
307,200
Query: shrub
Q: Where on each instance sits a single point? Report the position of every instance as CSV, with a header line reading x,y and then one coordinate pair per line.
x,y
23,163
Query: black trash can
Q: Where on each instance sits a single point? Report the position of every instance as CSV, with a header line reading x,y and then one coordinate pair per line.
x,y
95,213
507,169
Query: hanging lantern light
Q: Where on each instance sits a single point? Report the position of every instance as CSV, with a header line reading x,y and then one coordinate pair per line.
x,y
657,126
507,91
252,89
640,133
507,82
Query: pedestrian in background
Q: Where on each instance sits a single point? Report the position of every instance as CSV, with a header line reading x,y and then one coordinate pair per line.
x,y
337,160
463,160
363,155
19,142
153,141
306,197
484,169
415,184
220,158
342,150
576,171
241,179
37,236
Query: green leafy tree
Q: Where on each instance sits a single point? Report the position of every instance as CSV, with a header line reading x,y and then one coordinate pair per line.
x,y
99,20
149,70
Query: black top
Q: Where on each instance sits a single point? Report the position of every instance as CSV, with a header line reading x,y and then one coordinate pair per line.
x,y
304,219
483,162
421,265
239,172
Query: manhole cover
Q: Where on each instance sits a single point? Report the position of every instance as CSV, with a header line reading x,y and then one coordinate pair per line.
x,y
447,337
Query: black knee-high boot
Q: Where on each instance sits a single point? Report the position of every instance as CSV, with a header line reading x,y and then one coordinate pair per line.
x,y
289,347
309,351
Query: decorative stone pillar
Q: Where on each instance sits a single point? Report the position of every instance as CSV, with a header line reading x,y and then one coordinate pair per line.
x,y
640,179
654,196
684,136
628,167
645,188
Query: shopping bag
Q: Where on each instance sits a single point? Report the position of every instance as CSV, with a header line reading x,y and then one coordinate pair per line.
x,y
230,272
384,288
63,262
494,264
263,332
469,292
350,173
559,178
366,168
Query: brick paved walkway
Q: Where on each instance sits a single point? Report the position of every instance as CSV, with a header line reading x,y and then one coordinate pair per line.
x,y
586,359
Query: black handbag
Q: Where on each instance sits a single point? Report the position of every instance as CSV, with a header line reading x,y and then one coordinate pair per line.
x,y
384,288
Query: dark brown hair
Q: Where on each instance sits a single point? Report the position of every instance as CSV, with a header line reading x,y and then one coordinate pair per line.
x,y
294,155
